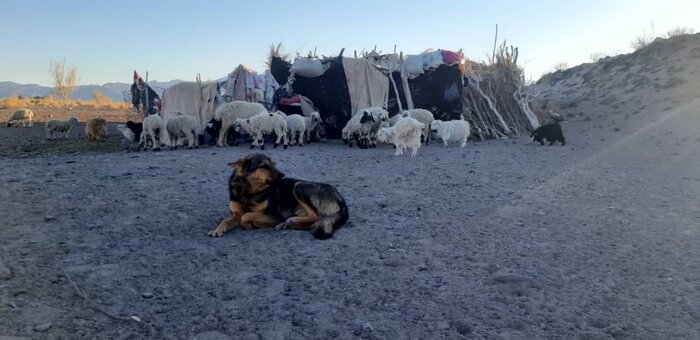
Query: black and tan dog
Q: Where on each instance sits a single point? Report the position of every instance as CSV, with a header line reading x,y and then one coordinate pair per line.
x,y
262,197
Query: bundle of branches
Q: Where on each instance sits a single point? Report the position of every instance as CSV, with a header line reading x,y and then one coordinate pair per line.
x,y
495,98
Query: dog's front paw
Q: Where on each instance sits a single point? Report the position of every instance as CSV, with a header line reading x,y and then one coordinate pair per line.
x,y
216,233
283,226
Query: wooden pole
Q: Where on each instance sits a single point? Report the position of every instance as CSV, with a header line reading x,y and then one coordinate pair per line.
x,y
147,110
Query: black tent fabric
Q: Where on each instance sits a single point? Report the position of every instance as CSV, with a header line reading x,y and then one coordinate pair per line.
x,y
328,92
439,90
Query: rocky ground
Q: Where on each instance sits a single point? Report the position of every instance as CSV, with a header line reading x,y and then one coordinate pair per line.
x,y
506,239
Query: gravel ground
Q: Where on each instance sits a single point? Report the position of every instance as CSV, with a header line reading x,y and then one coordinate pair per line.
x,y
504,239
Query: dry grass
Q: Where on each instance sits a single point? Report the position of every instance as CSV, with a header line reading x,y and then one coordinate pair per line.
x,y
49,108
646,38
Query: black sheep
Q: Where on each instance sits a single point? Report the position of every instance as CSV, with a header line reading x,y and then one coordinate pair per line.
x,y
136,128
212,130
551,132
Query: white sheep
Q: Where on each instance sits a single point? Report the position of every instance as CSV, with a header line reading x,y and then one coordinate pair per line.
x,y
182,126
451,131
423,116
262,124
313,123
351,131
404,134
229,112
296,128
63,127
128,134
24,116
153,127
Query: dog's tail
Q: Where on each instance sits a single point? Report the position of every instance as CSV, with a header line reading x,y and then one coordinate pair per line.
x,y
327,225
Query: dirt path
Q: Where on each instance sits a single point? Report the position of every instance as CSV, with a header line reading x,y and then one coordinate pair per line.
x,y
507,239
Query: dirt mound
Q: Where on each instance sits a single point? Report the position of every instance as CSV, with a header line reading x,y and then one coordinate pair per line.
x,y
657,78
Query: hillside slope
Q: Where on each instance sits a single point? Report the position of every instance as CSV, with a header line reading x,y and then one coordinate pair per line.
x,y
620,91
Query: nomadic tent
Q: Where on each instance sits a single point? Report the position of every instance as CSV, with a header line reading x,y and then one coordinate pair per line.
x,y
196,99
344,86
492,97
340,86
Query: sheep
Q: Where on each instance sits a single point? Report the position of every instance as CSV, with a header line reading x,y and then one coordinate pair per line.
x,y
551,132
395,118
96,129
451,131
24,116
405,134
296,128
229,112
262,124
372,119
152,127
128,134
182,126
312,123
136,128
423,116
351,130
63,127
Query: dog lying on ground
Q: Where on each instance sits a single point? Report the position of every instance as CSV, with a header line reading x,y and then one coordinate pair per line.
x,y
263,197
551,132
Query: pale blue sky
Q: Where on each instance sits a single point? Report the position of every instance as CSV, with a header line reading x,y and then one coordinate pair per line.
x,y
106,39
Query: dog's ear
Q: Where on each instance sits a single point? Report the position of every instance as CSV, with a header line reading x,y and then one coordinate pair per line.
x,y
238,166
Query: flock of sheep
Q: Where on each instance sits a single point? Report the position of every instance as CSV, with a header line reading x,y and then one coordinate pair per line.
x,y
366,128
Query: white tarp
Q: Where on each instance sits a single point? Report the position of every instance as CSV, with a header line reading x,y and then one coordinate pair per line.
x,y
367,86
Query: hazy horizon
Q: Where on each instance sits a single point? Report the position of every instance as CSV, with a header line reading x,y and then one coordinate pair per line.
x,y
184,38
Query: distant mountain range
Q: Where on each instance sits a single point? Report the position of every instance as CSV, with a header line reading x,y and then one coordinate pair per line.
x,y
82,92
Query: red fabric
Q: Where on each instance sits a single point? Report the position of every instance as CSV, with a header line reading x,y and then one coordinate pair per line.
x,y
450,57
293,100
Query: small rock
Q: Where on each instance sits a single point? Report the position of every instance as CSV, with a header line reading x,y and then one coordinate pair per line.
x,y
461,327
423,267
443,325
502,277
147,295
42,327
615,331
367,327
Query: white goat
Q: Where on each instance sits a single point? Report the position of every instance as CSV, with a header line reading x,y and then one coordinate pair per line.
x,y
262,124
229,112
405,134
24,116
182,126
423,116
451,131
153,127
63,127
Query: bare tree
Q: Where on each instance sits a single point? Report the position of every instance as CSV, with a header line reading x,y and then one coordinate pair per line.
x,y
64,83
